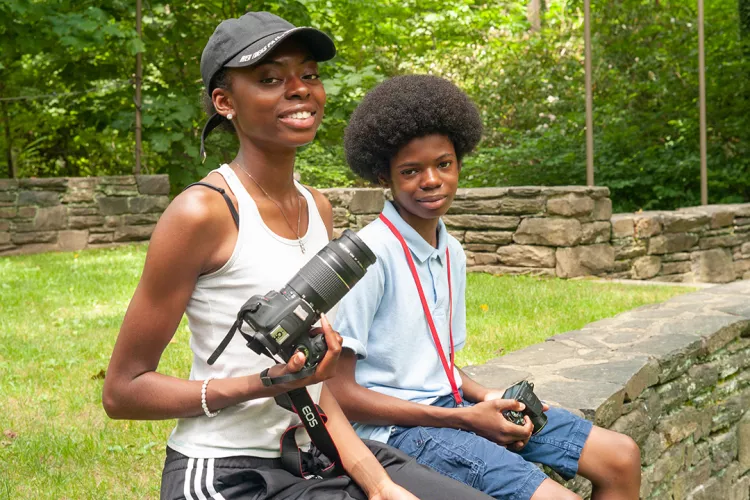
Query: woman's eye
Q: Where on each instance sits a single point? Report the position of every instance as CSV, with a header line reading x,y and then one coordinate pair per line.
x,y
312,76
445,164
409,171
270,80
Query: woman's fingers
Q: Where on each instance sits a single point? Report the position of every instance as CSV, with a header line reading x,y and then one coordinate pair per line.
x,y
327,367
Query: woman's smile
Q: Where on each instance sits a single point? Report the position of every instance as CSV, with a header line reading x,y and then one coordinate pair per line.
x,y
299,119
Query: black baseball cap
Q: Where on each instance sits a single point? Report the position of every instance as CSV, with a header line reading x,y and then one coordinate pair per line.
x,y
246,41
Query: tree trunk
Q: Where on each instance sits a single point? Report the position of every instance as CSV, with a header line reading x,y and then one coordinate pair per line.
x,y
743,7
138,79
534,14
8,141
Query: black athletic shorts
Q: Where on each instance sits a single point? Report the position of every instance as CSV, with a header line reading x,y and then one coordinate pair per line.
x,y
251,478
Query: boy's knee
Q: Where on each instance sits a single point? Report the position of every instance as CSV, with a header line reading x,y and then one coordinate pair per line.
x,y
627,460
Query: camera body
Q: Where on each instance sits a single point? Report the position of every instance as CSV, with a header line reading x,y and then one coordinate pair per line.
x,y
281,321
524,393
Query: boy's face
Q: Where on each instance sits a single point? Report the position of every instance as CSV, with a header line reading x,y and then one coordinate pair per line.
x,y
424,176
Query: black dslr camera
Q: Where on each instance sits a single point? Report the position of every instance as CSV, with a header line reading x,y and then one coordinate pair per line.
x,y
524,392
281,321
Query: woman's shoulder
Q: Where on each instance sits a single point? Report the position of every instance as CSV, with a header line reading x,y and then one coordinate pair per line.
x,y
323,204
199,209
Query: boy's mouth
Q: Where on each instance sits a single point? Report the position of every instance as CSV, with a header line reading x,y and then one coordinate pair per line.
x,y
433,202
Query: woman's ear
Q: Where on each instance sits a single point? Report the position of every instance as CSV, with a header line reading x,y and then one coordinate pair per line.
x,y
222,101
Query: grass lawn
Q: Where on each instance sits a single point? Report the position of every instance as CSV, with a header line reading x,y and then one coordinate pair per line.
x,y
59,317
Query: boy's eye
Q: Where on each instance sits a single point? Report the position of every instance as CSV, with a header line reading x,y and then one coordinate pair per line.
x,y
270,80
445,164
312,76
408,171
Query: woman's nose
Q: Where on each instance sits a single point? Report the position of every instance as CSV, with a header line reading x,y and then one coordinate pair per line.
x,y
297,88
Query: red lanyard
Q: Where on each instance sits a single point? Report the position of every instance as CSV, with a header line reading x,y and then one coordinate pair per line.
x,y
448,368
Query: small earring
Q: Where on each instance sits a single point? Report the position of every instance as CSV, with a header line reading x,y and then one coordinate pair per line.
x,y
229,116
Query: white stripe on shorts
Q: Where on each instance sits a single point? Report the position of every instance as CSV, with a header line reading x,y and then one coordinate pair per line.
x,y
186,484
197,486
210,481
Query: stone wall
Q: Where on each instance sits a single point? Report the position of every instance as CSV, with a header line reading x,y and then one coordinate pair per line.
x,y
552,231
564,231
38,215
673,376
705,244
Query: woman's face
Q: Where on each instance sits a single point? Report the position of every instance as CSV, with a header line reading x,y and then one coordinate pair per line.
x,y
279,101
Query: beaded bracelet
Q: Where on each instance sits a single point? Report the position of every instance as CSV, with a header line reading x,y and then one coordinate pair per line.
x,y
203,400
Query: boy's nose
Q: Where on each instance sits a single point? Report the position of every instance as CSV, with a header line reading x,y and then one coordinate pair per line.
x,y
431,179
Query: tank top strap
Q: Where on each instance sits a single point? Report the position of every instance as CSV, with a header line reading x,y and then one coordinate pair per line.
x,y
315,221
234,183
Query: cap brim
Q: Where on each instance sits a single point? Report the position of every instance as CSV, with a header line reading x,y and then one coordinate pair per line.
x,y
321,46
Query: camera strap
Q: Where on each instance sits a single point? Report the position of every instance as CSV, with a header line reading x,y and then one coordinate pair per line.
x,y
324,460
447,367
302,464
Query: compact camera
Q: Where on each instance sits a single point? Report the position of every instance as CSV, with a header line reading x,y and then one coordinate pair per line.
x,y
524,392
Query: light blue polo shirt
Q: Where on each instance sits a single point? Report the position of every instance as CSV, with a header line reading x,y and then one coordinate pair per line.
x,y
382,320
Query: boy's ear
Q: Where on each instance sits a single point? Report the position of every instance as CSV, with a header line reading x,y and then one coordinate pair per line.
x,y
460,165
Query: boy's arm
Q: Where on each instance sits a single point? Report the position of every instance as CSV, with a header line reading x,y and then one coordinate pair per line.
x,y
371,407
357,458
473,390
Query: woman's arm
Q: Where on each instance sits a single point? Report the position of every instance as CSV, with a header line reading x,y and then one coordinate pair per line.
x,y
184,245
357,458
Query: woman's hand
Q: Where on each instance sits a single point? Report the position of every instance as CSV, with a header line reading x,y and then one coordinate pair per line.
x,y
392,491
326,367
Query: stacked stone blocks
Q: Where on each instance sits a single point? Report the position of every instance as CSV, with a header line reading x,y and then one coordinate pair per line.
x,y
550,231
673,376
46,214
696,244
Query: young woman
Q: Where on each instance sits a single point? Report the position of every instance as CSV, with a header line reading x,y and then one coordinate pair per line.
x,y
209,253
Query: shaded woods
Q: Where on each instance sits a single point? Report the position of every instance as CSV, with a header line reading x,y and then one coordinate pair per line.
x,y
67,72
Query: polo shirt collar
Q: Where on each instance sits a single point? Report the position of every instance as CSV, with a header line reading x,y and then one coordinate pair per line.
x,y
416,243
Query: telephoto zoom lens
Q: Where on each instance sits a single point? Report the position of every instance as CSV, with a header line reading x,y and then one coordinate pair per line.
x,y
334,270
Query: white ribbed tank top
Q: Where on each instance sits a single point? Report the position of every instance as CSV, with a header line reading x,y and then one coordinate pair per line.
x,y
261,261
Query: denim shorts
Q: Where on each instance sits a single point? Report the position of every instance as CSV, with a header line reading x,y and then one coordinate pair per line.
x,y
491,468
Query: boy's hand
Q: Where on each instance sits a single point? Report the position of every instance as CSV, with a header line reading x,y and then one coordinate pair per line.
x,y
486,419
492,395
326,367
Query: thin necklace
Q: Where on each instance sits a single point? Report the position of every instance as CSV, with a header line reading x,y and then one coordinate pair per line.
x,y
299,208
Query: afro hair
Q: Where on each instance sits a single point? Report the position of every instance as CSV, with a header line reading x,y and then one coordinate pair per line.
x,y
404,108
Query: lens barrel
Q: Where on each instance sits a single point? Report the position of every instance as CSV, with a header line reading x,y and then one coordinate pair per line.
x,y
333,271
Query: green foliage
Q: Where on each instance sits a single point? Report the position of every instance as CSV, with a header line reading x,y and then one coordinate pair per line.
x,y
528,86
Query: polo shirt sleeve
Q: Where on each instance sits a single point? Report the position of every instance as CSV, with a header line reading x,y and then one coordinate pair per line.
x,y
357,310
459,300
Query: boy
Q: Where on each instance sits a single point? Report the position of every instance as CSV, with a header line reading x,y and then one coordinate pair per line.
x,y
402,323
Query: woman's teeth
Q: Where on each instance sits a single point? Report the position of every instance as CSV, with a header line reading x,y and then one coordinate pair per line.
x,y
300,115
